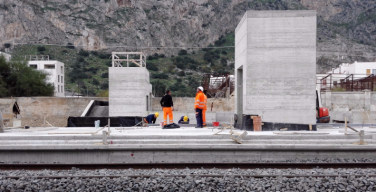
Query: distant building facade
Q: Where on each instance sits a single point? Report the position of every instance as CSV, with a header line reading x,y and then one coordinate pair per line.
x,y
7,56
358,68
56,72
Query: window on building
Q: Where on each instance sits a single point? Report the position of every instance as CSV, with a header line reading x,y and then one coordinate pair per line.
x,y
62,89
33,66
62,70
58,88
368,71
374,71
49,66
62,80
58,78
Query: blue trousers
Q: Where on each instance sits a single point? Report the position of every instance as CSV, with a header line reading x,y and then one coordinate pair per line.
x,y
199,117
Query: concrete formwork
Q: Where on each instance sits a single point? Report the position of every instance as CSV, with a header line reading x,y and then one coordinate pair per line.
x,y
275,66
129,91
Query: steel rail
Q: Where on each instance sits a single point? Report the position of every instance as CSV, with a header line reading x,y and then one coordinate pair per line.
x,y
183,176
185,165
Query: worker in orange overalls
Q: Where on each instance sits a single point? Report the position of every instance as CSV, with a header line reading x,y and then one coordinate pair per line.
x,y
168,107
205,108
199,106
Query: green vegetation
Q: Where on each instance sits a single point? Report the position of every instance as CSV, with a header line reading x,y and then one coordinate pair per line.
x,y
19,80
181,73
338,89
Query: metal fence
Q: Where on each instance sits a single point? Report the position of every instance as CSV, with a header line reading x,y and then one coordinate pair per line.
x,y
351,82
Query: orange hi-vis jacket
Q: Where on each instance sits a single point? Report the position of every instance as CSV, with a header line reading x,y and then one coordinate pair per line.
x,y
200,100
206,102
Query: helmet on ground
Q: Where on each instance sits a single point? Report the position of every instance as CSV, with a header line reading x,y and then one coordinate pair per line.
x,y
185,118
201,88
156,114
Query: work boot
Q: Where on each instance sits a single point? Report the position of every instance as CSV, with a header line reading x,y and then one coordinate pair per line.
x,y
198,127
204,126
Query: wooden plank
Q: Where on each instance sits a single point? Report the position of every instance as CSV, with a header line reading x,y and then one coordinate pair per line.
x,y
8,116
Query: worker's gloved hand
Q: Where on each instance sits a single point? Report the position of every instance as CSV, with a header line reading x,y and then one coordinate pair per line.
x,y
172,108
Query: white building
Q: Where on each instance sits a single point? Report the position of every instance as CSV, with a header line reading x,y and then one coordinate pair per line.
x,y
6,55
55,69
357,68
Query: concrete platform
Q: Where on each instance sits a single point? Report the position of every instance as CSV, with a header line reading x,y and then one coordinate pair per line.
x,y
184,145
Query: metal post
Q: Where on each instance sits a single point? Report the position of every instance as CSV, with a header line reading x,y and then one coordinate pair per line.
x,y
1,124
113,63
109,128
361,137
104,134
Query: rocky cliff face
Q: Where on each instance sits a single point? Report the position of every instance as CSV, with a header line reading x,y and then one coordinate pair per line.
x,y
346,28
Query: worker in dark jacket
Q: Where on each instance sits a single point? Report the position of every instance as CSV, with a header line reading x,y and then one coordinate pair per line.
x,y
184,120
151,118
168,107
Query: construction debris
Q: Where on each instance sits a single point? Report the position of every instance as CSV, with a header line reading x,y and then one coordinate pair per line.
x,y
240,137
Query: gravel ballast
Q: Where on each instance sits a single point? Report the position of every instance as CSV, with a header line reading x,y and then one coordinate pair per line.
x,y
190,180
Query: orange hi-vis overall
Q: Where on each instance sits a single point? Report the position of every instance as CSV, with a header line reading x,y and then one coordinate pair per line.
x,y
204,110
200,100
167,111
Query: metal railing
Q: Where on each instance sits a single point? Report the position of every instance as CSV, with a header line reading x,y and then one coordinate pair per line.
x,y
343,82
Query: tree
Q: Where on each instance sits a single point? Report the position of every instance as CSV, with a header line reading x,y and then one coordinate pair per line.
x,y
19,80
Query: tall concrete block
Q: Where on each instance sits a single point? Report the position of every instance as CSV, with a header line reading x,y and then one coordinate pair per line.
x,y
275,65
129,91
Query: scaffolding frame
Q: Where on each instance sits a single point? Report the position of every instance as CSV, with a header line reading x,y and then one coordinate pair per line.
x,y
137,58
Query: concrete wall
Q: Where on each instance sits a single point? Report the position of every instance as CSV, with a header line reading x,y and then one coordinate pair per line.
x,y
56,110
358,107
276,52
129,91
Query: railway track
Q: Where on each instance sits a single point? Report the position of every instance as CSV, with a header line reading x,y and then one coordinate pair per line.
x,y
186,165
183,176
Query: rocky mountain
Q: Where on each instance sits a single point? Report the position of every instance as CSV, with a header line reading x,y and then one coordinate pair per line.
x,y
346,28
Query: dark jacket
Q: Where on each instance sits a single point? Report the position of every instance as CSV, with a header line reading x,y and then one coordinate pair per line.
x,y
150,119
182,120
166,101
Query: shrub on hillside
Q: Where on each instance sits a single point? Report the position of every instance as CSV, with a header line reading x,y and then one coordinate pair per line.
x,y
104,75
41,48
70,46
159,76
152,66
83,53
183,52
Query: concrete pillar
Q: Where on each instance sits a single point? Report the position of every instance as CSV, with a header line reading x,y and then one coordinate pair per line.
x,y
328,100
129,91
367,100
1,124
277,50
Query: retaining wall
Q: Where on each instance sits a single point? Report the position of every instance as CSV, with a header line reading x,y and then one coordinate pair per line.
x,y
358,107
55,110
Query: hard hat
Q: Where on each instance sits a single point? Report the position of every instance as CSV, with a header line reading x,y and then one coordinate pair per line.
x,y
157,114
201,88
185,118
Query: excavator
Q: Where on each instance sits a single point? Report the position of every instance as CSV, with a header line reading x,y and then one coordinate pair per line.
x,y
322,113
